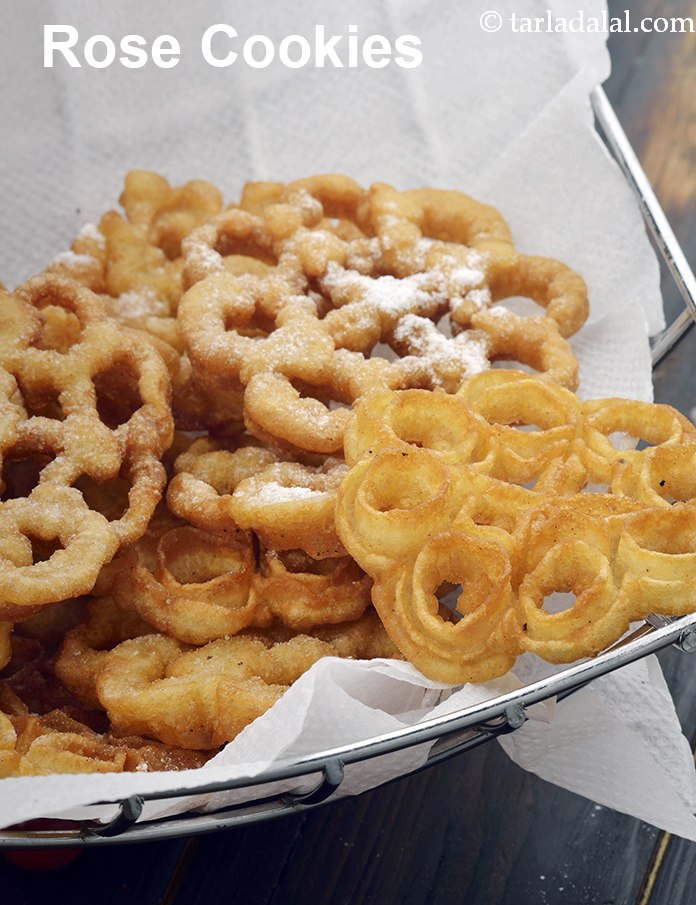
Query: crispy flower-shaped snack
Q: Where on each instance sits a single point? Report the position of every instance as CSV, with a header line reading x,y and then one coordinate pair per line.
x,y
200,698
55,743
302,592
136,262
198,586
454,491
334,270
341,270
291,507
166,215
308,322
96,400
206,476
135,265
190,584
57,516
222,485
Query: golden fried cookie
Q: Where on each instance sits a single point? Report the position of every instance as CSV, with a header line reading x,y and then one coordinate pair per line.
x,y
499,499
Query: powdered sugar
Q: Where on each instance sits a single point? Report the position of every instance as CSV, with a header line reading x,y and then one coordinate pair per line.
x,y
387,223
73,260
314,241
139,303
420,252
479,299
363,255
443,360
462,277
307,203
385,293
498,311
201,257
91,233
449,281
271,492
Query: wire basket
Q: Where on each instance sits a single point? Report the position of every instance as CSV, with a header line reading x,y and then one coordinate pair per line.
x,y
310,781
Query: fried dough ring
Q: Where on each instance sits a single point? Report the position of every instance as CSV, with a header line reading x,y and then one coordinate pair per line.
x,y
656,561
551,284
220,315
658,475
207,474
659,425
401,219
390,504
139,279
622,554
472,650
100,344
291,507
145,479
343,202
164,214
303,593
50,513
569,550
98,400
237,232
594,620
11,414
532,341
382,270
55,743
202,698
86,261
508,399
199,589
275,412
85,647
434,421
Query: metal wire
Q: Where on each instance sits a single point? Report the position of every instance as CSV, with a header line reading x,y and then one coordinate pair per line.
x,y
656,221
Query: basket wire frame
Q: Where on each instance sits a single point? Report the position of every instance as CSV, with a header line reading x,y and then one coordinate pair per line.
x,y
448,735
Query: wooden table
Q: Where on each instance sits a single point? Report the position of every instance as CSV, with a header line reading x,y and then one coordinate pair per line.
x,y
476,829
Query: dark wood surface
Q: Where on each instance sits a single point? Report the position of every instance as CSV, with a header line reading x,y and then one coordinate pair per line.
x,y
476,829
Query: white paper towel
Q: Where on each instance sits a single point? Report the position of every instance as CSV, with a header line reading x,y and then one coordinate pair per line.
x,y
504,116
